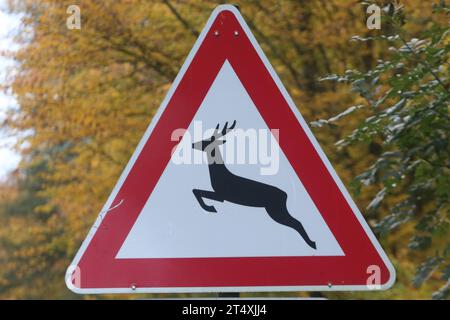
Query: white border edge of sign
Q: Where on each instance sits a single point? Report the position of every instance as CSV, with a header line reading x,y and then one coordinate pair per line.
x,y
144,139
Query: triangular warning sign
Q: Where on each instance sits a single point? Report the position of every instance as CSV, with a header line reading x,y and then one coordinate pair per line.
x,y
264,211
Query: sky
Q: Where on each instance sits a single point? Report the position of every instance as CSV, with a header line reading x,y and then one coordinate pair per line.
x,y
9,24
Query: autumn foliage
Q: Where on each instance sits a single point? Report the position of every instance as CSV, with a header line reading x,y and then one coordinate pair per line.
x,y
86,97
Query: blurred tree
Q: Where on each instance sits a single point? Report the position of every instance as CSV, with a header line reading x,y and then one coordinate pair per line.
x,y
87,96
32,238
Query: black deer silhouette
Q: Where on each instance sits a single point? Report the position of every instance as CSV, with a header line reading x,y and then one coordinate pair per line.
x,y
230,187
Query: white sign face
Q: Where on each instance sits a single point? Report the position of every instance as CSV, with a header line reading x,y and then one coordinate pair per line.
x,y
228,190
234,230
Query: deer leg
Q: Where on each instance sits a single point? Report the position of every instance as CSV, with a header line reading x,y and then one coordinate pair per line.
x,y
200,194
281,215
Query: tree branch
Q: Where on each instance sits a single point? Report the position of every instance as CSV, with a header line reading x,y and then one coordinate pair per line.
x,y
183,21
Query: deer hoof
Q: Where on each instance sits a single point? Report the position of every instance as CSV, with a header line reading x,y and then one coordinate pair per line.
x,y
210,209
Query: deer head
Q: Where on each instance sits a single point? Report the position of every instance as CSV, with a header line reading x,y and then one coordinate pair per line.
x,y
209,145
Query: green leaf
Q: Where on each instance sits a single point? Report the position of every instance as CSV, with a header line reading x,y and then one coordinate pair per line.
x,y
400,214
442,293
419,243
446,273
425,270
375,203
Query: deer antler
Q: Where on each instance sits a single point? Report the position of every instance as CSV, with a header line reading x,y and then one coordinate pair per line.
x,y
216,131
225,129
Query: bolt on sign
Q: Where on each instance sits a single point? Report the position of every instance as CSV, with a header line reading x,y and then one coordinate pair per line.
x,y
228,190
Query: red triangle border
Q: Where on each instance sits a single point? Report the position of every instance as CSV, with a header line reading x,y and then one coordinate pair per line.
x,y
100,272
